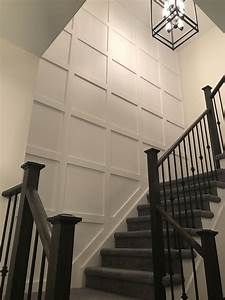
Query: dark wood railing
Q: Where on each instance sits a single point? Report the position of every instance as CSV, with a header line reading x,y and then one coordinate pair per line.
x,y
178,182
23,238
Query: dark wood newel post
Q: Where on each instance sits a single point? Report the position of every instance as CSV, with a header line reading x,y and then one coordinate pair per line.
x,y
211,263
156,225
61,257
213,131
23,234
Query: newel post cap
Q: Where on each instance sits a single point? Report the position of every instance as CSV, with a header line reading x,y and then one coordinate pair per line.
x,y
152,151
207,87
32,165
204,233
64,219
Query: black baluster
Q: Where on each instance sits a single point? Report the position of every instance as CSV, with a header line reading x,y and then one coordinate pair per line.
x,y
193,172
7,252
184,295
41,277
218,123
197,169
221,104
5,227
177,187
171,198
171,188
210,154
189,184
201,158
170,258
34,255
183,186
205,156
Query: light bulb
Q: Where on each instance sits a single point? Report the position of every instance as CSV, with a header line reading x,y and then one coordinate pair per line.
x,y
181,7
180,24
165,13
166,4
169,27
171,4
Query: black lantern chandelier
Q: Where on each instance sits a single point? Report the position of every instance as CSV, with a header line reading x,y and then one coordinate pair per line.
x,y
173,21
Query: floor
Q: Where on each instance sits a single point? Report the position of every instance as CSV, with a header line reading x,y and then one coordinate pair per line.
x,y
88,294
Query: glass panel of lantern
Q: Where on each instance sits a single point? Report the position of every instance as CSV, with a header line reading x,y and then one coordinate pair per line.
x,y
173,21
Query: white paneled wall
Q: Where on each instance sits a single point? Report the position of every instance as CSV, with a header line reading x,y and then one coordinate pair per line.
x,y
106,91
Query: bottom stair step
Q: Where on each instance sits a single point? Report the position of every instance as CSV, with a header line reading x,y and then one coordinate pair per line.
x,y
141,238
140,259
138,284
90,294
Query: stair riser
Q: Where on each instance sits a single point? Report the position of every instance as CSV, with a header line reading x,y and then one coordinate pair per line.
x,y
145,211
145,225
122,287
137,243
135,263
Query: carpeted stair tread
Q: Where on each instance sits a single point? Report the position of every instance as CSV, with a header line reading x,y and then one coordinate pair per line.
x,y
187,188
134,252
213,184
205,197
122,274
197,212
128,275
219,184
182,200
210,177
148,233
91,294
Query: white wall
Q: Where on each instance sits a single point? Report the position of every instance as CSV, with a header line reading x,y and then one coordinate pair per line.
x,y
105,92
202,62
18,70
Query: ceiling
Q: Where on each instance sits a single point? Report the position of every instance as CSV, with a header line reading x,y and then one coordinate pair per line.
x,y
215,9
34,24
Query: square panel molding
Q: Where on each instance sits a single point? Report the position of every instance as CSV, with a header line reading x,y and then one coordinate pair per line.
x,y
105,92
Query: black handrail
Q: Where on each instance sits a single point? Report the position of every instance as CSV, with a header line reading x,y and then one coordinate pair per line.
x,y
218,86
181,138
12,191
181,231
215,103
38,212
40,219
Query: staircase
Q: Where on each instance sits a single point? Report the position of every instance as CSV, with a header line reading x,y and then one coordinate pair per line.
x,y
150,259
127,269
157,258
